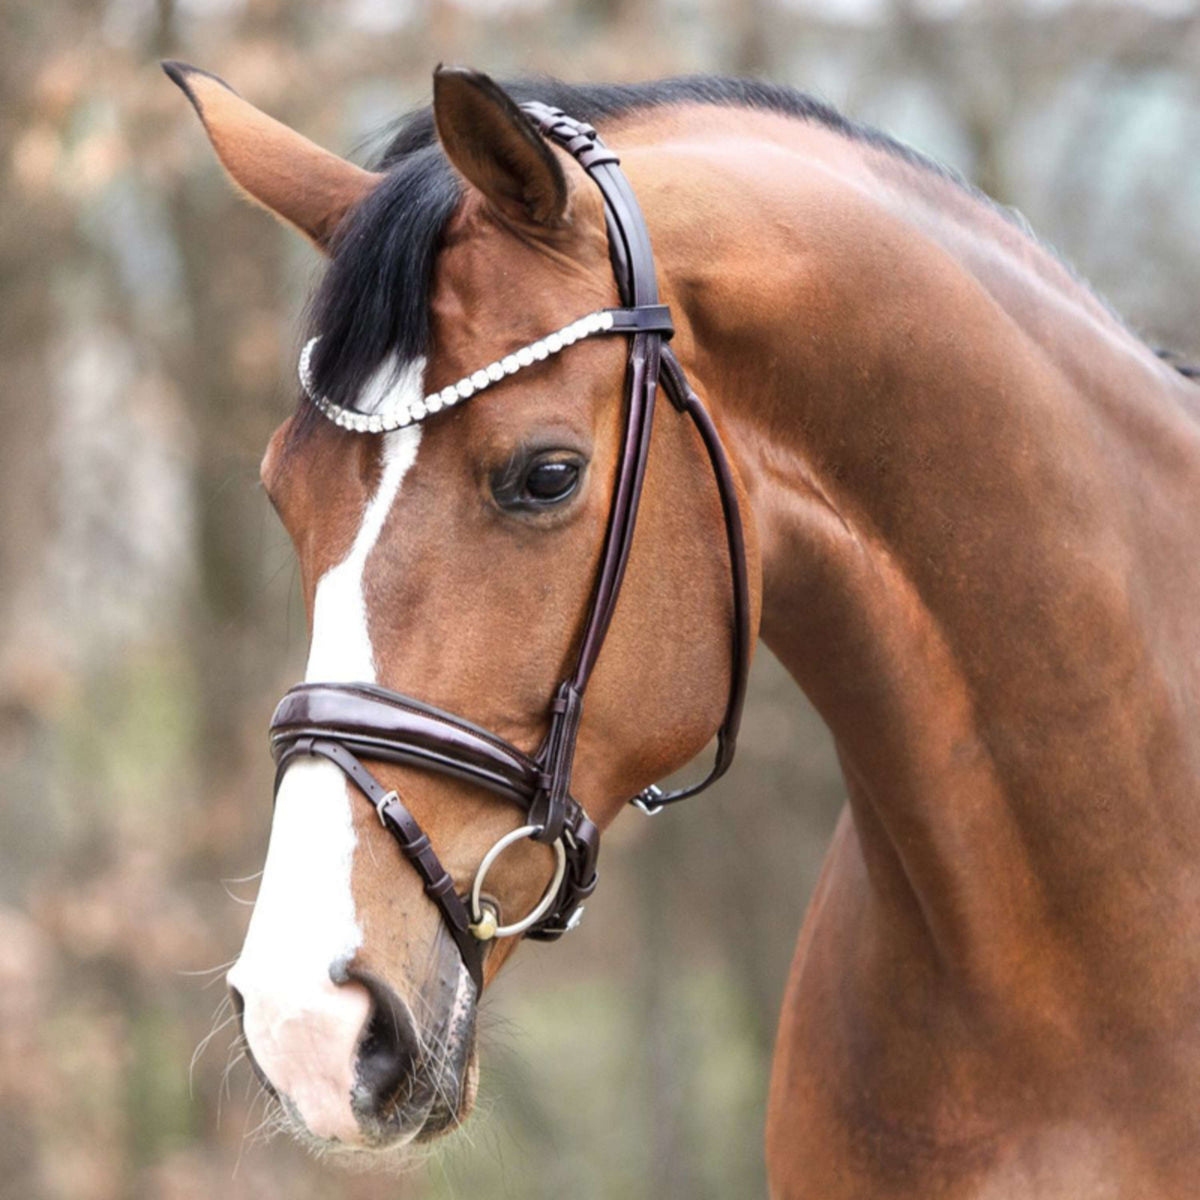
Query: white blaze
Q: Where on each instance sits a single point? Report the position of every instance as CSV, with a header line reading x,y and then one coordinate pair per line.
x,y
302,1026
340,651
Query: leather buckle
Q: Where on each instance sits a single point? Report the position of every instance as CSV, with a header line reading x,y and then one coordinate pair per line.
x,y
382,803
647,800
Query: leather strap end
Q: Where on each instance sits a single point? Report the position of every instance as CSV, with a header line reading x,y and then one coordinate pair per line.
x,y
549,808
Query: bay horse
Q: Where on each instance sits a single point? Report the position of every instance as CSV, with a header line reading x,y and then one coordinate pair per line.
x,y
969,497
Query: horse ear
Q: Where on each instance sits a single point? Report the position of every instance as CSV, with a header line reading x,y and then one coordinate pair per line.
x,y
496,147
287,174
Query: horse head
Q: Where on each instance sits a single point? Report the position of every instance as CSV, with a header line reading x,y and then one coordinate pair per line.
x,y
453,557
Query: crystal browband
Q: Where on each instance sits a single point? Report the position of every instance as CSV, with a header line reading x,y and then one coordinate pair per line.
x,y
606,320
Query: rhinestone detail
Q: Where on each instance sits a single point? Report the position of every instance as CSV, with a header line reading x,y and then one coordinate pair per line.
x,y
464,389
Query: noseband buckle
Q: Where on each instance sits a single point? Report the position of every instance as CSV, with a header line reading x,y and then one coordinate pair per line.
x,y
382,803
649,800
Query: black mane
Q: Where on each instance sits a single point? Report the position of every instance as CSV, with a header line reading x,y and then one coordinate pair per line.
x,y
598,103
374,299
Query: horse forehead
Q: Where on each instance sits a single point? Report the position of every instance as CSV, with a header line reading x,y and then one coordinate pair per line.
x,y
328,486
494,282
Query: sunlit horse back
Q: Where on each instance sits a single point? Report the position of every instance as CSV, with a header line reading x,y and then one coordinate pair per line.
x,y
971,534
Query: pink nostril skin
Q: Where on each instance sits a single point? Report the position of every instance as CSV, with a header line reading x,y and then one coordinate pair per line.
x,y
306,1043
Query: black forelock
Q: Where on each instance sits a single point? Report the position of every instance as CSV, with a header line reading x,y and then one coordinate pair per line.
x,y
374,298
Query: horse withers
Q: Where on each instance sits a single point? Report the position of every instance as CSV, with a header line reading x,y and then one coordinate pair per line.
x,y
968,501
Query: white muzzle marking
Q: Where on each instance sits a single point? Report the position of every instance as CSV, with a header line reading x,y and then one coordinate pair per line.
x,y
302,1026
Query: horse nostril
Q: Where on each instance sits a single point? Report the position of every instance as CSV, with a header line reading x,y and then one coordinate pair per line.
x,y
387,1053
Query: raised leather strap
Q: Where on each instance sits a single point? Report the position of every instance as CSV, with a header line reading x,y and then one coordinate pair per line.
x,y
384,725
557,758
582,840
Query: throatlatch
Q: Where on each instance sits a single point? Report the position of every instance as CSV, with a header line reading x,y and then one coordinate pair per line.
x,y
345,723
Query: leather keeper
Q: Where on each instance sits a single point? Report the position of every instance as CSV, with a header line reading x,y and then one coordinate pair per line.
x,y
643,318
549,808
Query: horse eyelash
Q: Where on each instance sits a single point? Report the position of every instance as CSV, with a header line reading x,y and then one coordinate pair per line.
x,y
511,473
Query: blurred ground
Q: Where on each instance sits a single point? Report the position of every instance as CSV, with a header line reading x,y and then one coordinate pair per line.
x,y
148,615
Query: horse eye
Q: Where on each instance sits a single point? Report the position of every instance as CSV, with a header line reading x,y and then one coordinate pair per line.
x,y
550,482
537,483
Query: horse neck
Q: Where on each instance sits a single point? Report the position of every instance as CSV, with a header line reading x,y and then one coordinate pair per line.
x,y
970,486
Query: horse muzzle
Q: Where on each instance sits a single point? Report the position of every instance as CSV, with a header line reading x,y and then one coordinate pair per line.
x,y
355,1066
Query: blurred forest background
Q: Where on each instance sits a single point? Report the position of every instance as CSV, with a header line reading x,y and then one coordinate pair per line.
x,y
148,612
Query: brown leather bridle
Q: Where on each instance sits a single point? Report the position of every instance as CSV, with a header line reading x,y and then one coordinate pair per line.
x,y
345,723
